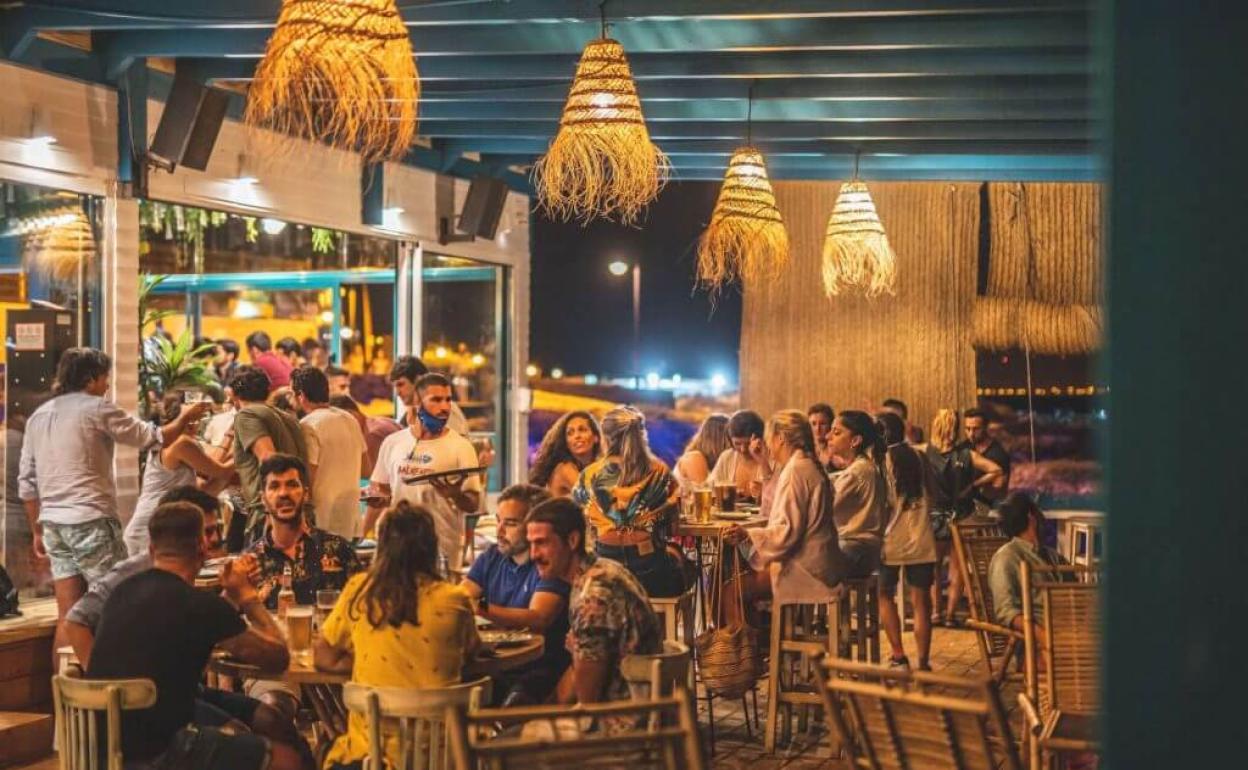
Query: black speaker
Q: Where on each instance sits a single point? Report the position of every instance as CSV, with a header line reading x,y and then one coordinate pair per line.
x,y
483,207
189,125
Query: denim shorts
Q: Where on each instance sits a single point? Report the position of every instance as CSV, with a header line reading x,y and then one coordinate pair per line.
x,y
89,549
658,571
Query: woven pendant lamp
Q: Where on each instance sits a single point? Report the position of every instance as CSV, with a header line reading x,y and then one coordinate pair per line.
x,y
856,254
339,72
57,249
746,239
601,162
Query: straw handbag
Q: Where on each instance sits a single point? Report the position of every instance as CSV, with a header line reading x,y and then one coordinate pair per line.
x,y
730,657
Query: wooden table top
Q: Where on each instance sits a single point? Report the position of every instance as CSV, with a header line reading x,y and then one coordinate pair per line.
x,y
714,526
301,670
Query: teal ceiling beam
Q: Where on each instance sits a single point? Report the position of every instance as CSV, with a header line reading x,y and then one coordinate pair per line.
x,y
731,35
517,146
987,130
781,110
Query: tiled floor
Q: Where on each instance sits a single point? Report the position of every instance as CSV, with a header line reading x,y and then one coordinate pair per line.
x,y
953,652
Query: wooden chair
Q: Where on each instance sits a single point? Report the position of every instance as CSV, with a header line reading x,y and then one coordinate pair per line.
x,y
414,719
898,720
848,627
976,544
658,733
658,675
77,704
1061,704
676,616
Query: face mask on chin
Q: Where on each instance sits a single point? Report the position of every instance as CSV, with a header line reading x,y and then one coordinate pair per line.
x,y
431,423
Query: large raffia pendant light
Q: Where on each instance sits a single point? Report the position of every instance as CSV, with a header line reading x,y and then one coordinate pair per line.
x,y
745,239
856,254
339,72
601,162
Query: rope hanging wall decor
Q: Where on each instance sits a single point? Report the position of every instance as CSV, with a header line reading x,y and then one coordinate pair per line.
x,y
746,239
339,72
856,253
601,162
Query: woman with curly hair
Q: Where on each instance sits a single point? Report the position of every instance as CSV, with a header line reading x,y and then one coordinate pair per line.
x,y
571,444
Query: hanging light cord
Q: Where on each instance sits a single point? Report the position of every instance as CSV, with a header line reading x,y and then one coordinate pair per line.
x,y
749,115
857,156
602,15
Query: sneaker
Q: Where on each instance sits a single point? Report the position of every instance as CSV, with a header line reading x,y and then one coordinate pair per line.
x,y
902,663
924,666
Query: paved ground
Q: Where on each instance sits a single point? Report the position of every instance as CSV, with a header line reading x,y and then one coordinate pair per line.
x,y
954,652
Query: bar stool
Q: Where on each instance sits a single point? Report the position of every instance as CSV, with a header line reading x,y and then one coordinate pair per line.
x,y
848,627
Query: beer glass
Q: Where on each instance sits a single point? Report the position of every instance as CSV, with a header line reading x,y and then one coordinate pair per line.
x,y
325,601
299,628
726,497
702,504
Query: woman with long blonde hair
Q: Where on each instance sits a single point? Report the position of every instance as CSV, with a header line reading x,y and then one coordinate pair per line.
x,y
703,450
571,444
957,470
796,557
630,500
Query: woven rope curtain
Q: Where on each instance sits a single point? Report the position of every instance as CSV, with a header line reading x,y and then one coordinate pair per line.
x,y
601,163
746,240
339,72
857,257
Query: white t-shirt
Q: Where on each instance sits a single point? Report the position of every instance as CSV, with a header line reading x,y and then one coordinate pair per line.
x,y
218,426
402,456
335,446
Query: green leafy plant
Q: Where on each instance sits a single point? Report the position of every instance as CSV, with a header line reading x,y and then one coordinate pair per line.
x,y
170,366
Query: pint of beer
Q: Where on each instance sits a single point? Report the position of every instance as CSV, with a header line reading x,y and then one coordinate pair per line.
x,y
702,505
299,628
726,497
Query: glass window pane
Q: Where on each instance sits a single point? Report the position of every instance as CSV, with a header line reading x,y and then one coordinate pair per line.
x,y
49,295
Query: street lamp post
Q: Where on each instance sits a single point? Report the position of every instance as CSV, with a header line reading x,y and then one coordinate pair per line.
x,y
619,268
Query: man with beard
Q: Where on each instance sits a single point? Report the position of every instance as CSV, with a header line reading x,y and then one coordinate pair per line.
x,y
609,614
404,375
427,447
510,593
318,560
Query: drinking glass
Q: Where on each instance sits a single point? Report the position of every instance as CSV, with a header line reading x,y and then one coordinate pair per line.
x,y
325,601
299,628
726,497
702,504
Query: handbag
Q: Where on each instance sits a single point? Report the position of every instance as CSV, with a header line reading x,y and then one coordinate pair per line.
x,y
730,656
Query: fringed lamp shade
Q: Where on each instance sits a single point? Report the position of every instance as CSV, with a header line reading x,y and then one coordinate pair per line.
x,y
856,254
746,239
58,249
602,162
339,72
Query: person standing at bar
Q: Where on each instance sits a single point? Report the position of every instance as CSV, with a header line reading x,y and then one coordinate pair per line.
x,y
259,432
861,504
66,473
975,429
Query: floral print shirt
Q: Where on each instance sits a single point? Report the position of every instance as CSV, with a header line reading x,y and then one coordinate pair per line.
x,y
610,617
322,561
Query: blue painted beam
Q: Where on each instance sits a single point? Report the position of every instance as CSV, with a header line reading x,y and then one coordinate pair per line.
x,y
519,146
787,65
781,110
132,128
1058,30
157,14
1057,130
1006,88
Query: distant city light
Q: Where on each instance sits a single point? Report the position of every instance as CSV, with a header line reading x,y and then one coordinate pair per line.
x,y
327,316
346,332
531,370
718,381
477,359
618,267
440,352
246,309
652,380
675,379
556,373
591,379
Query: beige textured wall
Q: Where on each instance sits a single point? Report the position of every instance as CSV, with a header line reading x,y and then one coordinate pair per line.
x,y
799,347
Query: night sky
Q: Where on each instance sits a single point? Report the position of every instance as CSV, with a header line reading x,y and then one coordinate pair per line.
x,y
582,315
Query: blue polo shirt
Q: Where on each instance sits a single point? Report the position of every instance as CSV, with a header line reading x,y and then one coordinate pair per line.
x,y
507,584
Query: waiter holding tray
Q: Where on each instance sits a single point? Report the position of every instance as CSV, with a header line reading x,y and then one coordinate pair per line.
x,y
428,464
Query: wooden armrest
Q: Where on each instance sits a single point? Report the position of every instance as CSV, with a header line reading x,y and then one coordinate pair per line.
x,y
993,628
1030,715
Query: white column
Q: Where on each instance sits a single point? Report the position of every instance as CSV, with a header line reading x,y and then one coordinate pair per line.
x,y
120,330
520,396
